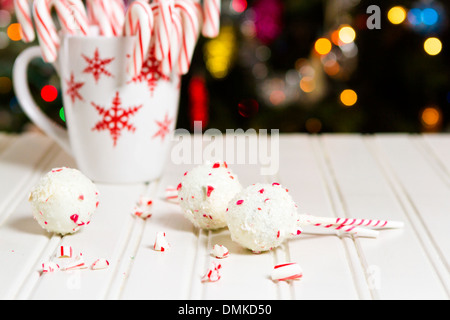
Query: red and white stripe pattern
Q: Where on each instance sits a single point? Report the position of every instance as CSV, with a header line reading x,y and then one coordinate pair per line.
x,y
287,271
23,13
163,28
72,17
64,252
171,62
211,18
77,264
46,31
139,22
171,194
191,28
370,223
108,15
361,227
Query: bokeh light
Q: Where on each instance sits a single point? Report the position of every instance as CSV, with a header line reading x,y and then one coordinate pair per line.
x,y
430,117
307,84
415,16
348,97
62,115
347,34
396,15
5,85
239,5
323,46
432,46
14,32
49,93
429,16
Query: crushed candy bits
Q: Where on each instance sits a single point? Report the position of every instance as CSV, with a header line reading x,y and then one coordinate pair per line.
x,y
220,251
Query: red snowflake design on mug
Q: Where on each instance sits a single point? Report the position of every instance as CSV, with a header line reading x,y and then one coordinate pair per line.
x,y
116,119
97,66
151,72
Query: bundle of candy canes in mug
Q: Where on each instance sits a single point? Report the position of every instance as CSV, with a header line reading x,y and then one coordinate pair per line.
x,y
171,27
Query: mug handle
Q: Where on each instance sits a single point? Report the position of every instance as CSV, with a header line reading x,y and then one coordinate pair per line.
x,y
22,90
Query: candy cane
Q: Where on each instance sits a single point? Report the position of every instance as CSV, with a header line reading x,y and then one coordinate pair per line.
x,y
46,31
170,64
191,28
211,18
99,15
163,28
23,14
342,222
139,22
71,16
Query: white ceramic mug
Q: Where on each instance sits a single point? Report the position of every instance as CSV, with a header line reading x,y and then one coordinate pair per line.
x,y
118,131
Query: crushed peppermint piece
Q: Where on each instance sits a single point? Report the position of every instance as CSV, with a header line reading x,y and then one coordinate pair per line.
x,y
287,271
100,264
64,252
48,267
220,251
161,243
212,274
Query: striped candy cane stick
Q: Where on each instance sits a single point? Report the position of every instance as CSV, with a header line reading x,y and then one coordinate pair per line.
x,y
367,223
46,31
170,64
191,29
211,18
24,17
72,19
163,28
72,16
99,14
139,22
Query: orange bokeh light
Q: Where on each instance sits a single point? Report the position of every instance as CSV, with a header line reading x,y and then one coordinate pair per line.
x,y
14,32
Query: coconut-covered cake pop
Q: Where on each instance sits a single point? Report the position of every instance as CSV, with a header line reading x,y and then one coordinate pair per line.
x,y
64,200
204,193
262,216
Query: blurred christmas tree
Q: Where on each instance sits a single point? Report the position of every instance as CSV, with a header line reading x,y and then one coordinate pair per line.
x,y
295,65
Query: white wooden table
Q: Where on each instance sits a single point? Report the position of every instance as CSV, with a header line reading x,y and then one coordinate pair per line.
x,y
397,177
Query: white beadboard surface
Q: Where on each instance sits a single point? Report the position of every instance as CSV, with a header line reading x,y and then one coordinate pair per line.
x,y
386,176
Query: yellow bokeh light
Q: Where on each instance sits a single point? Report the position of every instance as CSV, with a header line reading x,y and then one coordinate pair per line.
x,y
5,85
432,46
14,32
348,97
431,116
308,84
323,46
397,15
347,34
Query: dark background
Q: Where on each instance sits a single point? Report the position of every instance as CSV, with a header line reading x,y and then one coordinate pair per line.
x,y
249,77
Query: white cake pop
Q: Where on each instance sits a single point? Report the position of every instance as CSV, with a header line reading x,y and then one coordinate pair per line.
x,y
64,200
204,193
262,216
